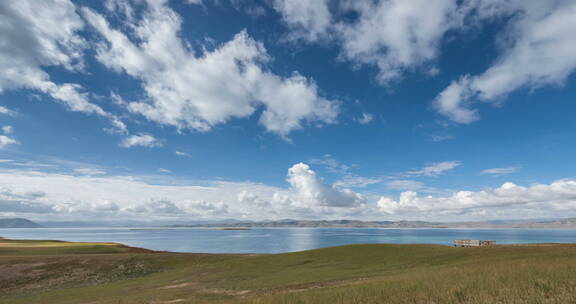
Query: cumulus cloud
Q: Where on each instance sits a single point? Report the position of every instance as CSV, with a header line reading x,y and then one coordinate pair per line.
x,y
435,169
69,196
193,91
142,140
537,200
309,190
453,102
500,171
394,35
542,52
32,192
34,35
309,20
537,47
81,195
247,197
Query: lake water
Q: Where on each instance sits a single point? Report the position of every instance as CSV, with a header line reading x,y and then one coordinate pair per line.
x,y
276,240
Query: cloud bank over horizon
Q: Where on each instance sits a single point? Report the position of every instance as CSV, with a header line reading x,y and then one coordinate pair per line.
x,y
83,194
380,109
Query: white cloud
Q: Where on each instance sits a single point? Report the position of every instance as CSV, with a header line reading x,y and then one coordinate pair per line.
x,y
185,207
309,20
194,1
74,196
309,190
6,111
68,196
452,102
500,171
247,197
34,35
435,169
142,140
537,47
509,200
7,130
7,141
118,126
541,51
366,118
22,202
394,35
180,153
192,91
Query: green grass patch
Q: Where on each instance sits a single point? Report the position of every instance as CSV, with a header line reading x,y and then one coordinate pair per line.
x,y
347,274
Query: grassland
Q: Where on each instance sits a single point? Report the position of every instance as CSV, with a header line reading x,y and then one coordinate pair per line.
x,y
59,272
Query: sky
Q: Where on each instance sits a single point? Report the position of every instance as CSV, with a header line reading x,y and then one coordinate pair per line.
x,y
188,110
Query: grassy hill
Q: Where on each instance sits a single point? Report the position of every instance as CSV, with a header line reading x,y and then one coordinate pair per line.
x,y
61,272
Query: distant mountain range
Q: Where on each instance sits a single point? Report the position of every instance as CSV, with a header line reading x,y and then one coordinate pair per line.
x,y
17,223
554,223
535,223
130,223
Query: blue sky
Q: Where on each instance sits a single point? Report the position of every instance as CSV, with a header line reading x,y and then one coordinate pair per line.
x,y
205,109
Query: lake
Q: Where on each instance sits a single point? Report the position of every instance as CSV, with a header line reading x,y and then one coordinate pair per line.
x,y
277,240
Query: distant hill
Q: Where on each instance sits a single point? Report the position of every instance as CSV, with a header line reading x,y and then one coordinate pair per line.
x,y
17,223
549,223
324,224
132,223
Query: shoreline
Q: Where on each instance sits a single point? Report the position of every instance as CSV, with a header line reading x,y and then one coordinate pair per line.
x,y
147,250
56,272
152,228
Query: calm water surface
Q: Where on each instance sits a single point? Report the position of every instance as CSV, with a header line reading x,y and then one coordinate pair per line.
x,y
276,240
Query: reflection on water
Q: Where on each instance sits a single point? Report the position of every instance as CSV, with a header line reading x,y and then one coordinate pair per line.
x,y
300,239
275,240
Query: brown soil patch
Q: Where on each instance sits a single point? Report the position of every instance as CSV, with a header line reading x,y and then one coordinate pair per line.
x,y
12,271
